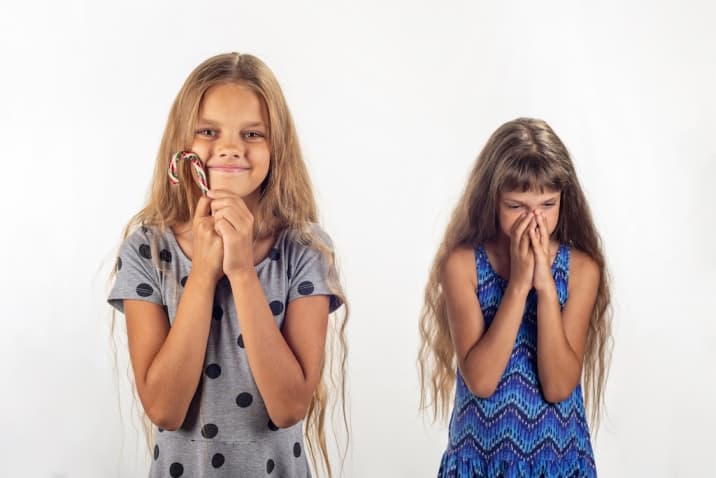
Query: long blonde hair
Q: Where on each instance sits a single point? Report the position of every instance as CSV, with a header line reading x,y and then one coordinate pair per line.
x,y
522,154
287,203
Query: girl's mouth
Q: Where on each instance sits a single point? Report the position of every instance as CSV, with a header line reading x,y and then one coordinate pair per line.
x,y
228,169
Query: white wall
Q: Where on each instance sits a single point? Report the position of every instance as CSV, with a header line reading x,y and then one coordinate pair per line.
x,y
393,101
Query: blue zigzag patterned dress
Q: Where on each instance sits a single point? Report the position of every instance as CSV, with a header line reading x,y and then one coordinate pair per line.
x,y
515,432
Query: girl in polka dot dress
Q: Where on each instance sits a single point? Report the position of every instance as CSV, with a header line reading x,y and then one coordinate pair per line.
x,y
227,296
516,315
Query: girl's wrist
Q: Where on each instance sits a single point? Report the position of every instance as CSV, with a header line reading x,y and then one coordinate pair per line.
x,y
518,290
241,276
202,279
546,289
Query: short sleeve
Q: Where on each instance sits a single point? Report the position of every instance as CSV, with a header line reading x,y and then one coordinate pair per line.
x,y
314,274
137,277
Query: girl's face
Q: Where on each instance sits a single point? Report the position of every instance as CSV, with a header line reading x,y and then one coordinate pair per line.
x,y
511,206
231,139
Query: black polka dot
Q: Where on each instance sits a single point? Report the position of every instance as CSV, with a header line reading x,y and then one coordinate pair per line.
x,y
270,465
217,313
217,460
183,281
156,451
288,271
272,426
274,254
276,307
305,288
145,251
209,430
296,449
244,399
144,290
240,341
161,430
119,264
213,370
176,470
334,303
165,255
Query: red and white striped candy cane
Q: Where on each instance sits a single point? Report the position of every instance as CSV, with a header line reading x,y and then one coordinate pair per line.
x,y
200,178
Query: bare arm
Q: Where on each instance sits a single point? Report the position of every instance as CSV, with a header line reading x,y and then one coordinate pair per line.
x,y
286,366
561,334
168,361
483,354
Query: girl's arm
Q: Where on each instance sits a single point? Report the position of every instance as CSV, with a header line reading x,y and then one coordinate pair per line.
x,y
483,354
168,361
561,334
286,367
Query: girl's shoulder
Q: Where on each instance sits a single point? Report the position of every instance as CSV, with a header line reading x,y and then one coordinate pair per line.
x,y
582,266
153,235
460,263
150,242
310,236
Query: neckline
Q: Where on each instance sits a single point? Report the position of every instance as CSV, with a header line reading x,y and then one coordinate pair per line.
x,y
265,260
494,272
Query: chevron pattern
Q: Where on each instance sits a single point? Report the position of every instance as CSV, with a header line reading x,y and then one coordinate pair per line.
x,y
515,433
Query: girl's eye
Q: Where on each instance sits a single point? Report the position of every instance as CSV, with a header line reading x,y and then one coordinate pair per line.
x,y
549,204
514,206
253,135
206,132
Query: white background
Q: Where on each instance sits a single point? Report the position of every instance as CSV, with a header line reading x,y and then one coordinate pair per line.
x,y
393,101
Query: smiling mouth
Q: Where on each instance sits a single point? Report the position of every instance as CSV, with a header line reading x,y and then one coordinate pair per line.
x,y
228,169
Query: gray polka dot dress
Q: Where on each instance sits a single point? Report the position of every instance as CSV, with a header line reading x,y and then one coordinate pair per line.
x,y
227,431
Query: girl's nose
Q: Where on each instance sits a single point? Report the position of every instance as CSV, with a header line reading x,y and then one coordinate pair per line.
x,y
230,150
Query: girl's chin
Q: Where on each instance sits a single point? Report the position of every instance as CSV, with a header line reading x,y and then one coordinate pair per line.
x,y
231,186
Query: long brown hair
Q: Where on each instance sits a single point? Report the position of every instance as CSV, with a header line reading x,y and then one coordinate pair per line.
x,y
287,203
522,154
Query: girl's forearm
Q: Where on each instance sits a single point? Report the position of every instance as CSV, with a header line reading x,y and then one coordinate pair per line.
x,y
558,366
173,376
279,377
487,359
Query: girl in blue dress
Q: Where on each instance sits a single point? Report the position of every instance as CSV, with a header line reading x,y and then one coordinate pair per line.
x,y
516,315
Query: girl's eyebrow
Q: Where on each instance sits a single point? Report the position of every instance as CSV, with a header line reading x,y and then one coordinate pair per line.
x,y
257,124
517,201
206,121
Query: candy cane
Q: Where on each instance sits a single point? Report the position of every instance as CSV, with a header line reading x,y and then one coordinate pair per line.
x,y
198,168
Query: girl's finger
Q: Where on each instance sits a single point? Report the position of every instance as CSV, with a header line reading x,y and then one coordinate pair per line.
x,y
223,227
534,237
544,235
240,209
203,206
520,226
230,216
525,238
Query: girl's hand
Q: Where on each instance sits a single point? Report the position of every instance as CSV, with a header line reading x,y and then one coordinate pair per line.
x,y
207,250
234,223
539,241
522,260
